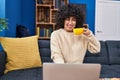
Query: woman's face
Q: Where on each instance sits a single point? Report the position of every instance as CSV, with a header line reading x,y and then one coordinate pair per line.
x,y
70,24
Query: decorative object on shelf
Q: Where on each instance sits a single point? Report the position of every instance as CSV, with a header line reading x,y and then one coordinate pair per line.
x,y
3,24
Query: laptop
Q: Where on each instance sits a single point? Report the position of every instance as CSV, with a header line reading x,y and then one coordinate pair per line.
x,y
52,71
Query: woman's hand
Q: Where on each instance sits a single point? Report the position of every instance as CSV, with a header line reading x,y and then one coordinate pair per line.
x,y
86,31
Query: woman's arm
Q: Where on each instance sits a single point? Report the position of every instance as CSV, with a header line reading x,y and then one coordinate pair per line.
x,y
56,55
93,43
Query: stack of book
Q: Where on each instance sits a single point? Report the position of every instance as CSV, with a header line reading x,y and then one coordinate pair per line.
x,y
44,32
44,15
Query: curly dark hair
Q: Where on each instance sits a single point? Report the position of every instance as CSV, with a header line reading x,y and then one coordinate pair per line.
x,y
67,11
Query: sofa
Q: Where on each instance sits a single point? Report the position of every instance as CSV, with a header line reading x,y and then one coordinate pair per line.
x,y
109,58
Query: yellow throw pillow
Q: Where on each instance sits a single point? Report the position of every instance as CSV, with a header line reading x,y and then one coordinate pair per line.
x,y
22,53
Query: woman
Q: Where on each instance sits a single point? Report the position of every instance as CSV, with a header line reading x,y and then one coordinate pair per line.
x,y
66,47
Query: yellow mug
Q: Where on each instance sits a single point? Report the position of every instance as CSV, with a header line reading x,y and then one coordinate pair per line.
x,y
78,31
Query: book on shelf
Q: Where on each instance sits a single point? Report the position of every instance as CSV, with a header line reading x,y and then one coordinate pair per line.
x,y
59,3
62,2
44,14
41,15
41,32
48,2
47,15
40,1
53,16
51,2
50,31
45,32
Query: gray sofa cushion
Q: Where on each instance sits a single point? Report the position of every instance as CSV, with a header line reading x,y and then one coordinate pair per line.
x,y
45,53
2,62
110,71
24,74
113,51
101,57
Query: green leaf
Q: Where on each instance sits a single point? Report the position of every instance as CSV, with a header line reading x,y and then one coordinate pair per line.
x,y
3,24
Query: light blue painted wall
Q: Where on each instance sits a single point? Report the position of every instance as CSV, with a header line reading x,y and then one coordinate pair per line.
x,y
2,14
2,8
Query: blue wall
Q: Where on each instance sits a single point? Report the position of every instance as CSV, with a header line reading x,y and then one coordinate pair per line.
x,y
90,15
23,12
20,12
13,14
28,15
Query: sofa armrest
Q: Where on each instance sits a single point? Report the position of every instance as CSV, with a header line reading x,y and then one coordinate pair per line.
x,y
2,62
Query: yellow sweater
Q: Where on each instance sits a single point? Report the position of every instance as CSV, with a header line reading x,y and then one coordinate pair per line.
x,y
69,48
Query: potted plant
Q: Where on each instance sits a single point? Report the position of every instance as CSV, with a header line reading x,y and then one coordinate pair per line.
x,y
3,24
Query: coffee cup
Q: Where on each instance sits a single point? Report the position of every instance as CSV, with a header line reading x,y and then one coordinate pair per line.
x,y
78,31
